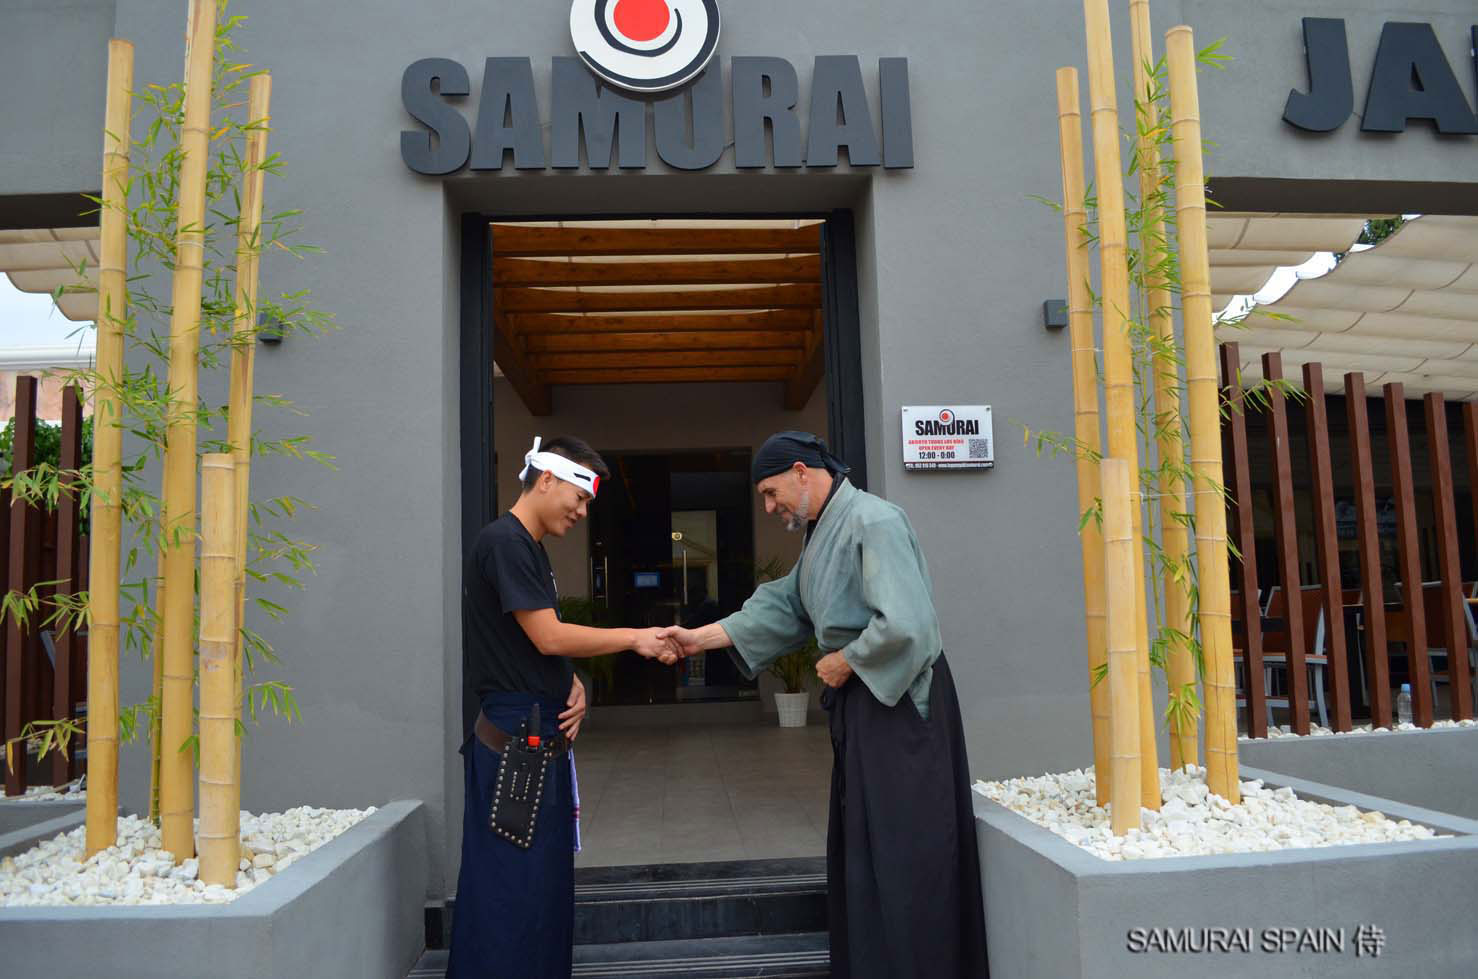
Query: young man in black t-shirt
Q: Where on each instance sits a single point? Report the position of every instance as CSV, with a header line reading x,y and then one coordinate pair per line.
x,y
514,914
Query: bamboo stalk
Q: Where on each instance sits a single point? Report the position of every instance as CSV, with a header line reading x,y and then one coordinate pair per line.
x,y
1118,359
107,460
1085,408
220,792
176,795
1123,654
156,733
243,364
1180,671
1213,573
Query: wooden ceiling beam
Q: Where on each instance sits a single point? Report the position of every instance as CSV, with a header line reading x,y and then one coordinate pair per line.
x,y
669,375
526,300
664,358
532,324
521,376
517,240
798,390
537,272
696,340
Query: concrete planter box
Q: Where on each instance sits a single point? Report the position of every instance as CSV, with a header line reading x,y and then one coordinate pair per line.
x,y
1435,769
1054,910
351,909
16,816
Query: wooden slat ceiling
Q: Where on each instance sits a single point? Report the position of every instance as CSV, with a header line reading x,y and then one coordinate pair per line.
x,y
663,301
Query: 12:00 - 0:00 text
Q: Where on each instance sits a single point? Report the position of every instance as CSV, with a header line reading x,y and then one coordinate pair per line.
x,y
931,454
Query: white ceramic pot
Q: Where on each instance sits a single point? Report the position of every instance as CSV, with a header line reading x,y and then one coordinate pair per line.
x,y
792,708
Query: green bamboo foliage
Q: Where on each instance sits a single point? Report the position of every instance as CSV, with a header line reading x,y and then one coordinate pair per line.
x,y
1161,394
276,559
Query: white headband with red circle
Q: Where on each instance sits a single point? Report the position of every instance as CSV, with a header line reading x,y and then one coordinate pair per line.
x,y
566,469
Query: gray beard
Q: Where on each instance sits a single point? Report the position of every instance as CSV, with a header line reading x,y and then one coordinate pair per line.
x,y
799,518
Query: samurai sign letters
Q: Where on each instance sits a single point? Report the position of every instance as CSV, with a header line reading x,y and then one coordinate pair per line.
x,y
947,437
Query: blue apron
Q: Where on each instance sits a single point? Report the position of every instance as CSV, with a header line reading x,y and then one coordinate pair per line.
x,y
515,911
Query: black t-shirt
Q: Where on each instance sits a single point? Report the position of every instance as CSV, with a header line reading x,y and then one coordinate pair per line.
x,y
508,571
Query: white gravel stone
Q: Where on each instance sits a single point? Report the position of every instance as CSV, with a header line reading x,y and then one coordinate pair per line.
x,y
71,792
1192,820
136,871
1319,731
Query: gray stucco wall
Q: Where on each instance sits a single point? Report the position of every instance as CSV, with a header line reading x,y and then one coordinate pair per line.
x,y
54,71
954,262
1436,769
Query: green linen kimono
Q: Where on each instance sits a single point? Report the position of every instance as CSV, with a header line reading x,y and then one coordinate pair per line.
x,y
882,620
902,866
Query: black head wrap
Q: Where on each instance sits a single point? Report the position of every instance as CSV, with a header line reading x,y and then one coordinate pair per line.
x,y
784,449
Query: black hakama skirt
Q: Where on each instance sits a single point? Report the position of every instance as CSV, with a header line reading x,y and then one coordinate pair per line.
x,y
515,911
902,867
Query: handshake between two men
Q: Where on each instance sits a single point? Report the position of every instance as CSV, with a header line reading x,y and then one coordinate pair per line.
x,y
669,644
902,865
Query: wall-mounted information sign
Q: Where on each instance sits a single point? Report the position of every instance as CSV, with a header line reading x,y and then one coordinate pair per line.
x,y
947,437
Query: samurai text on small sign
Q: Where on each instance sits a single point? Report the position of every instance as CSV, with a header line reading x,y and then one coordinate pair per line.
x,y
947,437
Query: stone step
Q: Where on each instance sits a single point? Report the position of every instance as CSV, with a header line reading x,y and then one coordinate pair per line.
x,y
669,902
770,956
725,920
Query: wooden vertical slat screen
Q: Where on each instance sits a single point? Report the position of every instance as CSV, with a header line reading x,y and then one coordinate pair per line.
x,y
1239,484
1454,622
23,557
1372,589
1326,538
40,549
63,703
1409,556
1285,530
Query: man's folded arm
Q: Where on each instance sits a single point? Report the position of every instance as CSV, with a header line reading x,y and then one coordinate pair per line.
x,y
902,637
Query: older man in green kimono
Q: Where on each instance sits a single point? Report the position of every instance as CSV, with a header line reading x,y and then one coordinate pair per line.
x,y
902,867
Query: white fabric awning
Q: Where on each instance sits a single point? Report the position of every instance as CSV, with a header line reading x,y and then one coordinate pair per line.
x,y
1404,311
47,259
1246,249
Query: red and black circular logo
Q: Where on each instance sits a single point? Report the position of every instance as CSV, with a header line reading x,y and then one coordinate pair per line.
x,y
946,416
645,45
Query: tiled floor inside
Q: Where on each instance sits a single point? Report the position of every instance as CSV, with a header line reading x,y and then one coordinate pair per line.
x,y
687,794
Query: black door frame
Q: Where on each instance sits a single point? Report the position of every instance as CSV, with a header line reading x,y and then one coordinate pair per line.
x,y
842,334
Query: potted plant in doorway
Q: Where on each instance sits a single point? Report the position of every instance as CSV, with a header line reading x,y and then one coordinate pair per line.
x,y
601,669
795,670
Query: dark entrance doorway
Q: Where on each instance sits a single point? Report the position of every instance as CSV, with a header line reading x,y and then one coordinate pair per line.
x,y
672,541
559,305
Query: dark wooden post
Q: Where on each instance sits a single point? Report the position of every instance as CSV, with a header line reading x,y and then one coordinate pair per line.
x,y
1409,551
1238,477
1327,541
63,704
1285,529
1470,444
24,555
4,590
39,671
1454,622
1362,461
